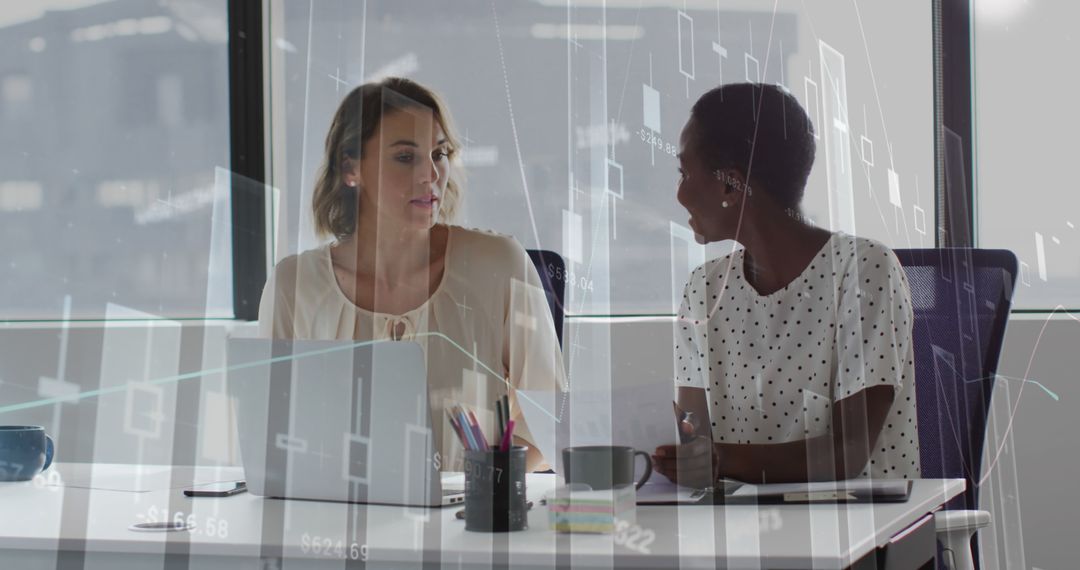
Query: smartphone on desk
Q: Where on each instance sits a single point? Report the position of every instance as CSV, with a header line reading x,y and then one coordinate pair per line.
x,y
225,489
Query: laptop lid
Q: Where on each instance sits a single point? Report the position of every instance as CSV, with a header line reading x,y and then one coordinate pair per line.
x,y
334,420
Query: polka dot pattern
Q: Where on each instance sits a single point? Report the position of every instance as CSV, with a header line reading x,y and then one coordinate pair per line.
x,y
774,366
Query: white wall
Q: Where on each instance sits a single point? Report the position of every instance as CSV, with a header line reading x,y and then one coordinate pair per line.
x,y
1043,457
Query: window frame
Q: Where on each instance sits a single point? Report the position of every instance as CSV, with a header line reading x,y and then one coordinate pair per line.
x,y
954,115
248,155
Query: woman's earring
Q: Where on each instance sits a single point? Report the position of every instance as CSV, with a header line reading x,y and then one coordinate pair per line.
x,y
723,204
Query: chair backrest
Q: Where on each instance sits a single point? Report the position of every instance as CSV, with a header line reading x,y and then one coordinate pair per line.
x,y
552,270
961,300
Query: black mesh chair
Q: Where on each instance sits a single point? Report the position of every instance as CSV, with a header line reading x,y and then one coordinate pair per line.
x,y
961,300
551,268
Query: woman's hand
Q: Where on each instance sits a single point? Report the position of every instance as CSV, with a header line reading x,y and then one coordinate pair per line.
x,y
695,463
688,424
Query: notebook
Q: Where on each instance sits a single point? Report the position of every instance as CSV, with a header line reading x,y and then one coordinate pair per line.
x,y
734,492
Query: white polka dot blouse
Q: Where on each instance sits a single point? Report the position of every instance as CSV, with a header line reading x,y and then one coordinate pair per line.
x,y
773,366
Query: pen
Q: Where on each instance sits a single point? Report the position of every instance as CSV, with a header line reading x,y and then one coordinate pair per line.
x,y
457,429
465,427
499,427
688,419
479,432
507,437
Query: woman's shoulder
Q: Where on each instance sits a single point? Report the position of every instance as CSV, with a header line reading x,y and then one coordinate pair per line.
x,y
309,263
873,262
713,267
485,244
866,253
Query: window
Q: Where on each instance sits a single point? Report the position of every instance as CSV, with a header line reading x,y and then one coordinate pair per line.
x,y
570,140
17,92
115,120
1025,193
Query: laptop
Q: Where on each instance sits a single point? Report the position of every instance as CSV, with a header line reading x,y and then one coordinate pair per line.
x,y
336,421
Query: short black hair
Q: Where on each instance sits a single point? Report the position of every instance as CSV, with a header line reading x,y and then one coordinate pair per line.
x,y
761,131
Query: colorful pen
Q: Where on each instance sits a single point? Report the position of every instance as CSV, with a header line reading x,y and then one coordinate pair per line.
x,y
479,432
457,429
465,427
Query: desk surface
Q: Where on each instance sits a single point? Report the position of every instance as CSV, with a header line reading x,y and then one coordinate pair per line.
x,y
55,517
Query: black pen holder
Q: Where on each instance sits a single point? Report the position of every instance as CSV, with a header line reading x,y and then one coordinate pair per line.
x,y
495,490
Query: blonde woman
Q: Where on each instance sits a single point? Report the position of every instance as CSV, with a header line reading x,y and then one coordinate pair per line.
x,y
397,268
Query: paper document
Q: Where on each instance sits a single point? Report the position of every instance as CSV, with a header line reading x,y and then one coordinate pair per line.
x,y
666,492
865,487
639,416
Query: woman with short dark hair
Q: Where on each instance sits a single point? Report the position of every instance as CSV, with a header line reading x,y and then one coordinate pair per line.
x,y
794,353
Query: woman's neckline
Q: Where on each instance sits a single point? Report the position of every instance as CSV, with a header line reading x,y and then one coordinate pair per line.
x,y
740,267
442,281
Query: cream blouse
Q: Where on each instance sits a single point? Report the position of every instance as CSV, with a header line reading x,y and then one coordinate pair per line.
x,y
488,320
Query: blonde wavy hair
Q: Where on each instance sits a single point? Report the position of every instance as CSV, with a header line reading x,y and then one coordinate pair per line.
x,y
335,205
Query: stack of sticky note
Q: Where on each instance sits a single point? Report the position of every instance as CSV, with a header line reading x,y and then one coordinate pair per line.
x,y
585,510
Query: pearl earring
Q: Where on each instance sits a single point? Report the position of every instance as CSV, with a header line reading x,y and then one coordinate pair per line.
x,y
723,204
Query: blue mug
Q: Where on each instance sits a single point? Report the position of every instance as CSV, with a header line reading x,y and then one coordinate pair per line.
x,y
25,451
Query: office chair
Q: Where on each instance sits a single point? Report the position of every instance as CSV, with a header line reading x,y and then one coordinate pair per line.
x,y
961,300
552,270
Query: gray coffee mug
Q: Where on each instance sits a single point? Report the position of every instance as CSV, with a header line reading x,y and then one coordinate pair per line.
x,y
603,466
25,451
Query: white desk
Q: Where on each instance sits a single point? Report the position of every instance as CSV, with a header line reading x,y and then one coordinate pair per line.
x,y
41,523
